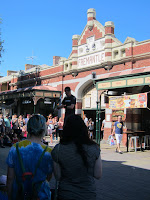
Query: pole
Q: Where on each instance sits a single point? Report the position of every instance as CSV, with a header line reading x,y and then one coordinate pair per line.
x,y
97,118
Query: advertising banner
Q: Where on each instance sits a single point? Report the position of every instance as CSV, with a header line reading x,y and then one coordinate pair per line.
x,y
128,101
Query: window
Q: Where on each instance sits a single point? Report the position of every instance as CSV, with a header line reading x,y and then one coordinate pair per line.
x,y
116,54
123,53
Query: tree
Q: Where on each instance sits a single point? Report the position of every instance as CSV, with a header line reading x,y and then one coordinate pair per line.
x,y
1,43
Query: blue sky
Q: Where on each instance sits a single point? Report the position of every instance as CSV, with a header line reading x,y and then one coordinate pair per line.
x,y
46,27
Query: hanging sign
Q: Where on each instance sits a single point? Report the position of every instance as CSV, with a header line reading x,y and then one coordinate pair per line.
x,y
26,102
128,101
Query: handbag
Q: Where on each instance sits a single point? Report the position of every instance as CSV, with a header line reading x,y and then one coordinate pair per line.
x,y
112,141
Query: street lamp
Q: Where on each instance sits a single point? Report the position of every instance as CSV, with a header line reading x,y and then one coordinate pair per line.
x,y
74,73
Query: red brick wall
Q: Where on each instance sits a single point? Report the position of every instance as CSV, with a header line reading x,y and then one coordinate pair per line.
x,y
145,48
91,18
95,31
51,70
109,41
142,63
71,85
108,53
74,51
74,42
74,63
109,30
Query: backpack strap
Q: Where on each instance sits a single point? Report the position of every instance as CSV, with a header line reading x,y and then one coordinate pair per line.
x,y
39,161
20,159
21,162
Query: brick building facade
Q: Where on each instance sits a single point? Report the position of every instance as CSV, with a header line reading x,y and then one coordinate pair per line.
x,y
95,50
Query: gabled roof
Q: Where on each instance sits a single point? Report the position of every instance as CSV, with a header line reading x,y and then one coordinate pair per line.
x,y
40,87
97,26
130,39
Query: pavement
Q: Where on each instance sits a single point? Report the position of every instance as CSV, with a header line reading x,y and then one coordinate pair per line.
x,y
125,176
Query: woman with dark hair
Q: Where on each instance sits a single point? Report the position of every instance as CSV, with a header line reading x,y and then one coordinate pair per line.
x,y
77,162
30,164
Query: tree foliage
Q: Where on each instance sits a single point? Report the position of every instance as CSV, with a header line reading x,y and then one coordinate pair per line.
x,y
1,43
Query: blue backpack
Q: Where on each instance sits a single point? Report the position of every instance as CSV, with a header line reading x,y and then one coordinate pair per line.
x,y
27,189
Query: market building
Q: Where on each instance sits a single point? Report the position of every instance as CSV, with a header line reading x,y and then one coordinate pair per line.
x,y
98,67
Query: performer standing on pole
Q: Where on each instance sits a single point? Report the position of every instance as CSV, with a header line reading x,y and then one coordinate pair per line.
x,y
68,103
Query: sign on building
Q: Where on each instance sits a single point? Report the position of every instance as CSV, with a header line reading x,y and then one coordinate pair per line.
x,y
128,101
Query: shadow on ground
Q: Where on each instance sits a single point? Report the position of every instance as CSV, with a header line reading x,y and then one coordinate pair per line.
x,y
122,182
118,182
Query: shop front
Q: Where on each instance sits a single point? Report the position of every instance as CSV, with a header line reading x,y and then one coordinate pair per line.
x,y
131,101
36,99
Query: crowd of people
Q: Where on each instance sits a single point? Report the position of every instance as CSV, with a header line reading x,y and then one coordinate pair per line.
x,y
90,125
54,127
14,129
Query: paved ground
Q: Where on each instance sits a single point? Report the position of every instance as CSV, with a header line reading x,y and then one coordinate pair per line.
x,y
125,176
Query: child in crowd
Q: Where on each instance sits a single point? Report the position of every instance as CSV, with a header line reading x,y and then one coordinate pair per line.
x,y
24,132
91,128
50,127
15,138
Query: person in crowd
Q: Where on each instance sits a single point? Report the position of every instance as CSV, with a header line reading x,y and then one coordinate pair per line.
x,y
15,138
7,124
77,162
15,125
2,131
102,128
37,161
118,132
56,126
50,127
24,133
21,122
91,128
68,103
86,120
27,119
60,126
7,140
1,123
2,140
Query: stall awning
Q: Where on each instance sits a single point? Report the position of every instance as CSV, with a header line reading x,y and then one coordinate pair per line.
x,y
124,82
35,91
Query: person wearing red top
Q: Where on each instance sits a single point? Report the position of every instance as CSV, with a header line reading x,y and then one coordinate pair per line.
x,y
60,126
